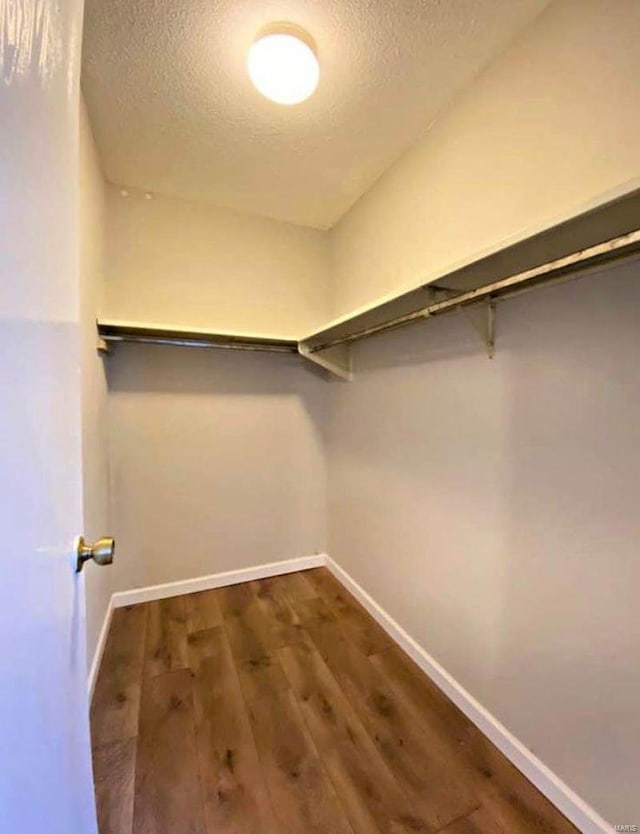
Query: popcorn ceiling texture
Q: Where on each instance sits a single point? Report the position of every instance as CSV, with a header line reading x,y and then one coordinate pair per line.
x,y
174,111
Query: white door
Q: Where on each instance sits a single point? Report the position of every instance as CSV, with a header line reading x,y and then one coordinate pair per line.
x,y
45,768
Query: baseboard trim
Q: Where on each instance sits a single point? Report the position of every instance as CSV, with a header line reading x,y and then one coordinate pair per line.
x,y
216,580
99,649
566,800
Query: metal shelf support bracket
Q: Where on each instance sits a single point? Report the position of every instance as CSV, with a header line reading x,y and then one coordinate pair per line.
x,y
482,317
337,360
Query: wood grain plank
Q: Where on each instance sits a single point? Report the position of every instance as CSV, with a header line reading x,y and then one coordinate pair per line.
x,y
264,587
260,677
361,630
314,611
429,769
423,696
114,775
234,599
356,623
323,581
278,614
366,786
116,699
514,803
249,634
479,822
296,586
166,645
202,611
318,619
168,792
235,793
303,796
510,799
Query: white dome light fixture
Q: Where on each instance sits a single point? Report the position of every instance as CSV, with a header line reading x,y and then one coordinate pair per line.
x,y
283,64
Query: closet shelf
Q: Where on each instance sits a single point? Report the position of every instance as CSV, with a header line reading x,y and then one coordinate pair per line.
x,y
604,234
599,236
119,331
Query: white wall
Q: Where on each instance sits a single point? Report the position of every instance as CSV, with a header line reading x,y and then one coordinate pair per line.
x,y
217,459
544,131
492,507
95,449
189,264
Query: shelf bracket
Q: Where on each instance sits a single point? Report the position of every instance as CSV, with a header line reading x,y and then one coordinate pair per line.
x,y
337,360
437,293
103,347
483,320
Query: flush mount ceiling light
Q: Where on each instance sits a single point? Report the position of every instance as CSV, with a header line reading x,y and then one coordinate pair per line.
x,y
283,64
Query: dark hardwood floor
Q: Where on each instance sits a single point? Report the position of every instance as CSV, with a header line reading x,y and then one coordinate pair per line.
x,y
281,706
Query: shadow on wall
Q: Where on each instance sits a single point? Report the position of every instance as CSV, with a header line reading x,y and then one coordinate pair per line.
x,y
136,367
450,336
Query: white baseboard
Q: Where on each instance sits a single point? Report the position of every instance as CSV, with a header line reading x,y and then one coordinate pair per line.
x,y
216,580
99,650
556,791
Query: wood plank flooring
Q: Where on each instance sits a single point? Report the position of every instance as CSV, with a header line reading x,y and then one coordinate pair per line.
x,y
281,706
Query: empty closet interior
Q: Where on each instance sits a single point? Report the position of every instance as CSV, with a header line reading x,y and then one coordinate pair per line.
x,y
387,340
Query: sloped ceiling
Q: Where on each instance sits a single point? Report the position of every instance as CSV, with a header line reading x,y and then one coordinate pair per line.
x,y
174,112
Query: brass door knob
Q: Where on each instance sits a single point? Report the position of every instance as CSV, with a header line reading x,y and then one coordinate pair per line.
x,y
101,551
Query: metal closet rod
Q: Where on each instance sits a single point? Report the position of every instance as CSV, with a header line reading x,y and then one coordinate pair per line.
x,y
113,332
545,274
261,348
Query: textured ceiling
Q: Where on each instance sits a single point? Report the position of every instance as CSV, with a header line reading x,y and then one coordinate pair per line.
x,y
174,111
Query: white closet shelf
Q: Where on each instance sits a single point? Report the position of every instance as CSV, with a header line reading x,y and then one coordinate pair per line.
x,y
600,235
597,236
